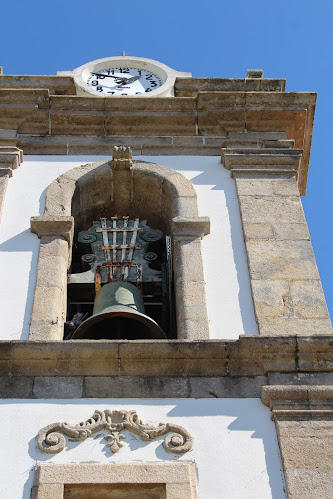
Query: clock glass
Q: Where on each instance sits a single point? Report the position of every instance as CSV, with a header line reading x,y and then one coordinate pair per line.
x,y
123,81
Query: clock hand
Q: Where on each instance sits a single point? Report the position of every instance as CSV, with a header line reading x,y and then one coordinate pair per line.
x,y
134,78
121,78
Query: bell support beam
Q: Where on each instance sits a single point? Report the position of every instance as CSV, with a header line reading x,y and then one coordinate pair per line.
x,y
286,288
303,416
50,299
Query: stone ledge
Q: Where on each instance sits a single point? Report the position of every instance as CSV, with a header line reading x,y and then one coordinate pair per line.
x,y
248,356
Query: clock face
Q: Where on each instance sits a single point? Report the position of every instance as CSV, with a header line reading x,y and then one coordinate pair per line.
x,y
123,81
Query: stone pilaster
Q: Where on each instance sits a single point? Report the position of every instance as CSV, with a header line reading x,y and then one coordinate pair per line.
x,y
303,416
190,294
50,299
10,159
286,288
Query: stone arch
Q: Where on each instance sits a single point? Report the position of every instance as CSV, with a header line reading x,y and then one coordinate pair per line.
x,y
85,193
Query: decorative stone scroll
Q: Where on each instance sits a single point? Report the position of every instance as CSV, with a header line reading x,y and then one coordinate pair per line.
x,y
51,439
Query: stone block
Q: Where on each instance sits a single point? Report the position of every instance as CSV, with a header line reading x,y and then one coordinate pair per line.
x,y
285,187
16,387
271,298
308,299
301,378
172,358
269,209
48,304
258,231
294,326
46,331
51,271
315,354
227,387
58,387
53,246
252,186
70,358
188,260
291,231
134,387
256,356
309,483
282,260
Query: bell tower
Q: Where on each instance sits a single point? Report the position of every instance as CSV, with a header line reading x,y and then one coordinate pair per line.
x,y
169,336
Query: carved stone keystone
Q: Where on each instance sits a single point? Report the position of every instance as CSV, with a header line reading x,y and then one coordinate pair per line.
x,y
51,438
122,158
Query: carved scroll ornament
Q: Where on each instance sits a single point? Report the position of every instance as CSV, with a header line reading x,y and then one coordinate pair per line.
x,y
51,439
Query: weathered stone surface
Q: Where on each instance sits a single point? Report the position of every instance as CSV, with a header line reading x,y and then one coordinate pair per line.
x,y
136,387
284,260
258,231
250,357
59,358
308,299
301,378
48,303
291,231
272,298
58,387
16,387
294,326
48,491
315,353
309,483
225,387
269,209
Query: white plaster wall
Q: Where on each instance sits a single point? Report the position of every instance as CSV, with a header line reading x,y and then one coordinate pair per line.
x,y
235,447
229,301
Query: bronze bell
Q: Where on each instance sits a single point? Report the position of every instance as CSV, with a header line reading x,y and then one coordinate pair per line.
x,y
119,315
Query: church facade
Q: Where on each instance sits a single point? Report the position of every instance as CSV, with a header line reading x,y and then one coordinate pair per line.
x,y
164,331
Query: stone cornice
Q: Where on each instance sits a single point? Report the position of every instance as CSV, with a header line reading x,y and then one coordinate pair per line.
x,y
34,112
10,159
264,161
297,402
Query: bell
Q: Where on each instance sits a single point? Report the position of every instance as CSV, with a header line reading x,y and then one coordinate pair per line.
x,y
119,315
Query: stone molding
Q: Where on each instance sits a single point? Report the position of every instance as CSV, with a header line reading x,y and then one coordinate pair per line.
x,y
196,227
298,402
178,479
51,439
62,226
264,161
170,198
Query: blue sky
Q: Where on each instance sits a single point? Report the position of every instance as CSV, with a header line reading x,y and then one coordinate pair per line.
x,y
291,40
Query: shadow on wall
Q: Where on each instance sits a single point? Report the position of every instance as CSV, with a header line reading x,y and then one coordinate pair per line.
x,y
249,416
216,178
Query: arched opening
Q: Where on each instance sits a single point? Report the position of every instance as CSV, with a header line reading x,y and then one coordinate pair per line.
x,y
164,202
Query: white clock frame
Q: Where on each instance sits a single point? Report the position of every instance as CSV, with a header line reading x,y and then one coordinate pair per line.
x,y
167,75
